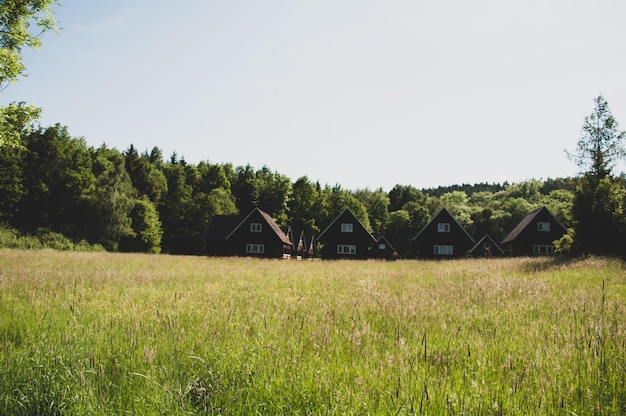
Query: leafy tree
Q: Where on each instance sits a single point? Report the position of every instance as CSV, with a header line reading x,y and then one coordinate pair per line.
x,y
304,206
401,194
146,226
114,198
399,223
17,19
57,182
598,205
145,175
274,191
11,181
16,120
180,235
244,189
377,206
601,144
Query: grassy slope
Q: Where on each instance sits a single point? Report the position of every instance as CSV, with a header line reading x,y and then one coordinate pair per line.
x,y
99,333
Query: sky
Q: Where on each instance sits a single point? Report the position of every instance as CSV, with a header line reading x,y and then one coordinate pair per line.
x,y
364,94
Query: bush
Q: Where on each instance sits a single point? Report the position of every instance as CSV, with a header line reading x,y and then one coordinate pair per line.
x,y
11,238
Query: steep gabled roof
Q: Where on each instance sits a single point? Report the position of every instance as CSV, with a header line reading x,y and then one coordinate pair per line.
x,y
383,240
320,236
528,219
441,212
487,239
521,226
269,220
220,226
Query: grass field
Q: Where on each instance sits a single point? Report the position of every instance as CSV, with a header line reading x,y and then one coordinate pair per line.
x,y
101,333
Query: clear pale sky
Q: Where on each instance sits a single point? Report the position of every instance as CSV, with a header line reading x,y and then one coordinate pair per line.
x,y
359,93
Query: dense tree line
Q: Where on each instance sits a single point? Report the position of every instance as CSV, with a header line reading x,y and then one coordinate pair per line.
x,y
139,202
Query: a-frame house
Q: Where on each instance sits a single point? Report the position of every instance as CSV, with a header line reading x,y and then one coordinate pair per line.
x,y
383,249
443,237
345,238
256,234
486,247
534,235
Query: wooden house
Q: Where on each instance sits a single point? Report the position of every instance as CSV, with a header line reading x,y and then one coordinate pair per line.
x,y
534,235
256,234
345,238
443,237
383,249
486,247
219,227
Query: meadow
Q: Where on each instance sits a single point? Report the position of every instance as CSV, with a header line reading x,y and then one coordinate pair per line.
x,y
103,333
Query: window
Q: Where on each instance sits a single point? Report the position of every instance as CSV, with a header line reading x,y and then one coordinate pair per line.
x,y
255,227
543,226
255,248
382,246
543,249
346,228
443,250
443,227
346,249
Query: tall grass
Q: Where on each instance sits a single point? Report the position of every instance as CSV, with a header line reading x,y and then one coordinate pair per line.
x,y
101,333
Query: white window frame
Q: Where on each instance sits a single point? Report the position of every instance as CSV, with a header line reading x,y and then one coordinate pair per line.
x,y
543,226
543,249
256,227
443,227
443,250
255,248
382,246
346,249
347,227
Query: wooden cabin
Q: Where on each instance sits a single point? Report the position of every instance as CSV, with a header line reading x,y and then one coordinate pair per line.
x,y
443,237
534,235
345,238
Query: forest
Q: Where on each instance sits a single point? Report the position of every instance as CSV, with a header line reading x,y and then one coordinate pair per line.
x,y
132,201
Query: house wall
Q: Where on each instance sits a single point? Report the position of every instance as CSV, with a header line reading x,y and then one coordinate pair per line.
x,y
333,236
524,243
429,237
237,242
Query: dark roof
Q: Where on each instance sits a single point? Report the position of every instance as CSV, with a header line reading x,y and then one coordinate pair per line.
x,y
220,226
383,239
320,236
270,221
442,211
526,221
487,238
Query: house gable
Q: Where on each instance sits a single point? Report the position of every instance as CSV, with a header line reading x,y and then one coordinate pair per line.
x,y
215,233
534,234
443,237
259,235
345,237
383,249
486,247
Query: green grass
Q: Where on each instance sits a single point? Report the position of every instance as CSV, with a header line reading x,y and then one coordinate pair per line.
x,y
101,333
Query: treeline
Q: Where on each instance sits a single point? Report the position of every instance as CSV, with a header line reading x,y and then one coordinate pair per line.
x,y
54,184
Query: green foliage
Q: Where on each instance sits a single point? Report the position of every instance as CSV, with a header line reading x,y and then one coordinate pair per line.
x,y
42,239
15,120
600,199
112,199
146,226
16,20
601,144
